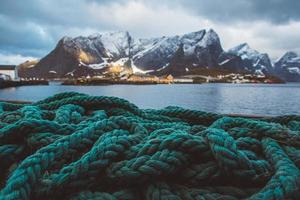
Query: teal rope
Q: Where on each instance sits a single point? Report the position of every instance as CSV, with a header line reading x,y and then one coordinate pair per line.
x,y
233,160
75,146
68,113
286,180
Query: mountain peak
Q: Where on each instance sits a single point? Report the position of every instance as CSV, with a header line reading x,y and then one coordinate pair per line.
x,y
253,60
210,30
290,54
108,33
287,57
115,34
289,66
241,48
65,39
245,51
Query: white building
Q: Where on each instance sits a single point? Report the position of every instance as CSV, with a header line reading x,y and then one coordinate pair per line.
x,y
9,70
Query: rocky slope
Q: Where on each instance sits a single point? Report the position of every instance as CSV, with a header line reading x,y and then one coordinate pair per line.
x,y
244,58
82,56
197,49
288,67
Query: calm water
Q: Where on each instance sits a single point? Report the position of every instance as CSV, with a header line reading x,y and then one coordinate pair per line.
x,y
259,99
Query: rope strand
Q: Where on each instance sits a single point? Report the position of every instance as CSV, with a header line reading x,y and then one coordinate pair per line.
x,y
75,146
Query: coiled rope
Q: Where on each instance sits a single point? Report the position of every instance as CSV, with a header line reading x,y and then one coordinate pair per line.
x,y
75,146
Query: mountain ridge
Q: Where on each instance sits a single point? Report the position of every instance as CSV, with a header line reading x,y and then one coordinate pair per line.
x,y
177,55
288,66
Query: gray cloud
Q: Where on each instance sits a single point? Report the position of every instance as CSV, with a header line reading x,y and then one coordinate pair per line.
x,y
33,27
23,36
275,11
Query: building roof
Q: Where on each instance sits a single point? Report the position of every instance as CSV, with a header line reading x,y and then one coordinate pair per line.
x,y
7,67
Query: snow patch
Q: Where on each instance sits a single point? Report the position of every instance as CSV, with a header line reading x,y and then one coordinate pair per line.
x,y
121,61
259,72
95,65
135,69
297,59
224,62
166,65
256,63
30,66
115,41
244,56
70,73
294,70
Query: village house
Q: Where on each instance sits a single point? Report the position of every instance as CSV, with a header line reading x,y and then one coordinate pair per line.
x,y
9,71
166,79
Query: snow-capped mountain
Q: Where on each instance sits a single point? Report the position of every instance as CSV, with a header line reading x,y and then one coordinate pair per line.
x,y
288,67
109,45
199,49
244,58
82,56
153,54
96,52
176,55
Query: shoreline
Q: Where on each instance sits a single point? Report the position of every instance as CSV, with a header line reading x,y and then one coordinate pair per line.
x,y
125,82
11,83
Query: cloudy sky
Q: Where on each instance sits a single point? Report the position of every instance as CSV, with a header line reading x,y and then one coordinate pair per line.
x,y
31,28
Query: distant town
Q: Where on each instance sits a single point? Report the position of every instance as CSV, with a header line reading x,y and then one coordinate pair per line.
x,y
9,77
